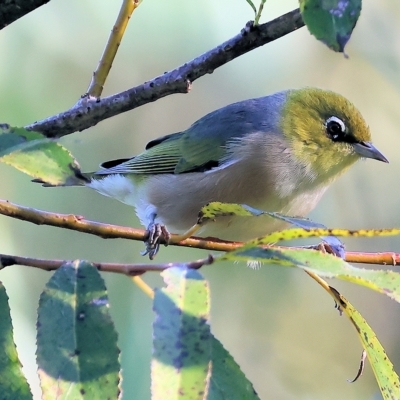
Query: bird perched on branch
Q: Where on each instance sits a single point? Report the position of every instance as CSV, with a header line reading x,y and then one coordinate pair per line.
x,y
275,153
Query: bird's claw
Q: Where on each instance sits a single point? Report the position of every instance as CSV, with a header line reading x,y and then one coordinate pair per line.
x,y
336,249
330,248
157,233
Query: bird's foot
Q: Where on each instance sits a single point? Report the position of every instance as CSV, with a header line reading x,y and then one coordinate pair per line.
x,y
157,233
337,249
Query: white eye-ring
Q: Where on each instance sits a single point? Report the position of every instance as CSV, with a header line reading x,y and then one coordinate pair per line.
x,y
335,128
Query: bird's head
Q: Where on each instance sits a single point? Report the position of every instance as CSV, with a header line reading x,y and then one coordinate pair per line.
x,y
326,131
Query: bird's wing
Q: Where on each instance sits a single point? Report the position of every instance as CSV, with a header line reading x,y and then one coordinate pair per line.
x,y
159,159
176,153
200,148
204,146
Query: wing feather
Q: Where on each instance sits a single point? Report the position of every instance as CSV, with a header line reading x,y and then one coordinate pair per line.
x,y
159,159
207,144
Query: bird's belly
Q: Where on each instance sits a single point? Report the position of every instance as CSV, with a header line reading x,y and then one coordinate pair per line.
x,y
179,209
238,228
115,186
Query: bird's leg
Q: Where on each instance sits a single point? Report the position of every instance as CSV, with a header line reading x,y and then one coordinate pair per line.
x,y
157,233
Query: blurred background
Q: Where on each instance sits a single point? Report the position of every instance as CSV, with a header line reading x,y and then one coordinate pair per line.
x,y
280,326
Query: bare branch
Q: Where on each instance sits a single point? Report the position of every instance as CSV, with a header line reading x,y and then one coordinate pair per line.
x,y
11,10
89,112
106,231
126,269
69,221
96,86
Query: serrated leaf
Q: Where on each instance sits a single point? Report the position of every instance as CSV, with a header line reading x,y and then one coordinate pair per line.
x,y
386,377
13,385
180,366
215,210
77,351
227,380
331,21
291,234
38,156
324,265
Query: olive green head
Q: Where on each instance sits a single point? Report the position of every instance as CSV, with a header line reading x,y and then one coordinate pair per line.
x,y
326,131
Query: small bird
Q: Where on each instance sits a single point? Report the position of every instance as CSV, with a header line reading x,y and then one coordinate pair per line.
x,y
274,153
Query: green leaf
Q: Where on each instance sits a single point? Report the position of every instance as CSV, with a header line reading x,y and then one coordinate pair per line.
x,y
13,385
38,156
291,234
77,351
180,366
331,21
216,209
322,264
386,377
188,361
227,380
326,265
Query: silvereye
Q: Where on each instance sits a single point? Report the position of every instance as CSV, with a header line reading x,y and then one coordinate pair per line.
x,y
275,153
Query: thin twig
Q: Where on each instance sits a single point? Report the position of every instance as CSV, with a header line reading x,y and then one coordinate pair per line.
x,y
143,286
96,86
90,112
7,260
259,12
385,258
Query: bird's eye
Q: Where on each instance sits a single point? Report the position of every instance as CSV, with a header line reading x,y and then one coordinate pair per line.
x,y
335,128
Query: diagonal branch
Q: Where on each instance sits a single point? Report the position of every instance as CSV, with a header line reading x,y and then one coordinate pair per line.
x,y
89,112
11,10
106,231
96,86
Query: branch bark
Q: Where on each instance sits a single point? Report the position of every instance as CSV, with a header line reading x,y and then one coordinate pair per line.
x,y
89,111
11,10
106,231
7,260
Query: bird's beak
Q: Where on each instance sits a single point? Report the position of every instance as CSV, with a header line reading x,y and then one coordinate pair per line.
x,y
368,150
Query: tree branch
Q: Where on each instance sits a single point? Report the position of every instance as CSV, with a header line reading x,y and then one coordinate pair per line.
x,y
88,112
11,10
100,75
106,231
126,269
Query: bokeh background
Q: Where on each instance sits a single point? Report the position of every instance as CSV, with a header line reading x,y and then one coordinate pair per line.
x,y
279,325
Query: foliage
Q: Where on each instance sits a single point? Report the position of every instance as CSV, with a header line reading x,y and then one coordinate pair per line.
x,y
77,350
